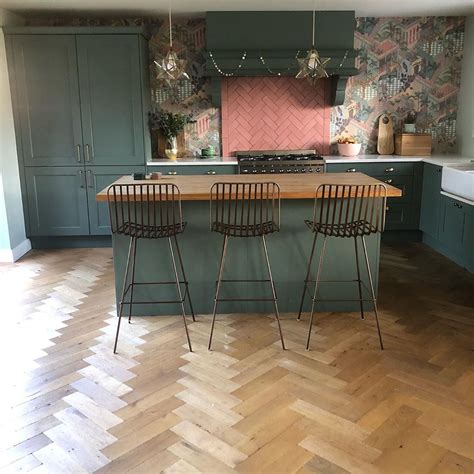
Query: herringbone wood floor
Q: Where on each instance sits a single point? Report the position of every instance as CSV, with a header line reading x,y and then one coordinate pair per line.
x,y
69,405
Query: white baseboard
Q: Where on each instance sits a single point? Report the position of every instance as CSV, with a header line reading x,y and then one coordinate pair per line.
x,y
12,255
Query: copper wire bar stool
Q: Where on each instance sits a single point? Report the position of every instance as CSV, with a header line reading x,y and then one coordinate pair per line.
x,y
345,211
245,210
148,211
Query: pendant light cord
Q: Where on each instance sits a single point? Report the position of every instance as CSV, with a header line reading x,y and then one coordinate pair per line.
x,y
171,29
314,19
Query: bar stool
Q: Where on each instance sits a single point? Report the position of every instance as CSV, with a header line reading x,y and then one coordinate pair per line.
x,y
148,211
345,211
245,210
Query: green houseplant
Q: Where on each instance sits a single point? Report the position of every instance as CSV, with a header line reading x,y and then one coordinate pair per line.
x,y
170,125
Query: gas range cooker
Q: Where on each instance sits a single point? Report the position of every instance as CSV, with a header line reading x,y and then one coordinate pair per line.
x,y
279,161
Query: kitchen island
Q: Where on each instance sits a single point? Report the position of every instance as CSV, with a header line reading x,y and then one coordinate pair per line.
x,y
288,250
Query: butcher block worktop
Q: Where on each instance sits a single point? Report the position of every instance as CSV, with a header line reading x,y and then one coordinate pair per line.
x,y
197,187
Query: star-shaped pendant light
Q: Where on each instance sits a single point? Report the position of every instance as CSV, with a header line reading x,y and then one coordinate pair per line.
x,y
312,67
171,68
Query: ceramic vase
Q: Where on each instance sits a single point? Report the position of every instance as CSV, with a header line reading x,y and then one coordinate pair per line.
x,y
171,150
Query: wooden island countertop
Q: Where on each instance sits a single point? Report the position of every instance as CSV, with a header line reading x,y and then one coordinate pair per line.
x,y
197,187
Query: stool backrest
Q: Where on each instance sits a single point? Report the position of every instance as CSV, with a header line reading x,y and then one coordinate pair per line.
x,y
350,210
144,206
243,205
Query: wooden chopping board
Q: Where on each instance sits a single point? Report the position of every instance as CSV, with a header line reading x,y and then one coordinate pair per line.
x,y
385,143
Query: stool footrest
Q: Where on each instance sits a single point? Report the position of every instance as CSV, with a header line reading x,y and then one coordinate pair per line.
x,y
245,299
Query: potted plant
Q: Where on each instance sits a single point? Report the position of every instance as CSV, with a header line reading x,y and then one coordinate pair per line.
x,y
409,125
348,146
170,126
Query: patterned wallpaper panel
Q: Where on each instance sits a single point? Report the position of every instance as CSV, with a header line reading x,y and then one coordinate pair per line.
x,y
406,65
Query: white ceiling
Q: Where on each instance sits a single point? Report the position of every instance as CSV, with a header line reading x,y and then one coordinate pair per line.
x,y
159,7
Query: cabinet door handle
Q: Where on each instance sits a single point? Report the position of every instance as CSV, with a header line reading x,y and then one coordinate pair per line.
x,y
78,153
351,170
172,172
389,170
459,206
90,179
81,178
211,172
388,181
88,153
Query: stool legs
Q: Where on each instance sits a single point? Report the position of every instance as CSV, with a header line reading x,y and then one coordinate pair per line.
x,y
186,294
277,315
180,295
316,288
131,246
308,273
218,286
358,279
134,257
372,291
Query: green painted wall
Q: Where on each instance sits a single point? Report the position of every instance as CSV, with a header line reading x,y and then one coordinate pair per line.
x,y
465,123
12,227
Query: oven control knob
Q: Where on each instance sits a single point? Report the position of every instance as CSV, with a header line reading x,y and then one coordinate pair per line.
x,y
318,170
303,170
282,171
264,170
272,170
288,171
254,171
311,170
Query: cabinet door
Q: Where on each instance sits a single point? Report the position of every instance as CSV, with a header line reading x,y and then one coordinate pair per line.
x,y
57,200
111,102
430,199
98,178
452,224
44,73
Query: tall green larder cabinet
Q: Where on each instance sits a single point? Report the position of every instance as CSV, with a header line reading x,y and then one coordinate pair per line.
x,y
80,99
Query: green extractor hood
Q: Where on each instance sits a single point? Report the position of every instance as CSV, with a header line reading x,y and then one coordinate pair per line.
x,y
277,37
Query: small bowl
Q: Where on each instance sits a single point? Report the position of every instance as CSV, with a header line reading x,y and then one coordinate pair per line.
x,y
348,149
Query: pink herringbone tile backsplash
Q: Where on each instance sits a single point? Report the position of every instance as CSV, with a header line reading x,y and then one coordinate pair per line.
x,y
269,113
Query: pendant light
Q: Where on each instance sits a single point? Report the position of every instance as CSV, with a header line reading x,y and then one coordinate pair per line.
x,y
171,68
312,67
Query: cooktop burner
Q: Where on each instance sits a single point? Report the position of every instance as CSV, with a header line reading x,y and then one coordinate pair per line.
x,y
280,161
284,155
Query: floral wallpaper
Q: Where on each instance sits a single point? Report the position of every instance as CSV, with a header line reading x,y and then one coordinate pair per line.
x,y
406,65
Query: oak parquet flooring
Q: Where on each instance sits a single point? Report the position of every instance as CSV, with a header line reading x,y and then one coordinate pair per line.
x,y
70,405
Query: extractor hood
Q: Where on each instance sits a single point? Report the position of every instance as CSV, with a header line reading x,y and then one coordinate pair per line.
x,y
271,42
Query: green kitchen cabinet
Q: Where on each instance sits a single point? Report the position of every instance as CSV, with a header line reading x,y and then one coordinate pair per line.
x,y
43,75
80,101
57,201
431,199
98,178
111,108
403,212
79,98
455,226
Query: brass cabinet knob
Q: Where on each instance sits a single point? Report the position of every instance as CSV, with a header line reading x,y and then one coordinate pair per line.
x,y
389,170
211,172
351,170
389,181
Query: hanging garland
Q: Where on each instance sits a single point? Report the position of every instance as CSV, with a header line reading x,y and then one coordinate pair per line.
x,y
262,60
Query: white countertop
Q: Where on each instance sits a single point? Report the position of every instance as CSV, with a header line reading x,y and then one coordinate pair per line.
x,y
440,160
215,160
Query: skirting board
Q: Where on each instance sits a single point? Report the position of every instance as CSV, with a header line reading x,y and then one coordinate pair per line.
x,y
12,255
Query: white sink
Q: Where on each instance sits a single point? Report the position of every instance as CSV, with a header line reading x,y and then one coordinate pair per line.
x,y
459,180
